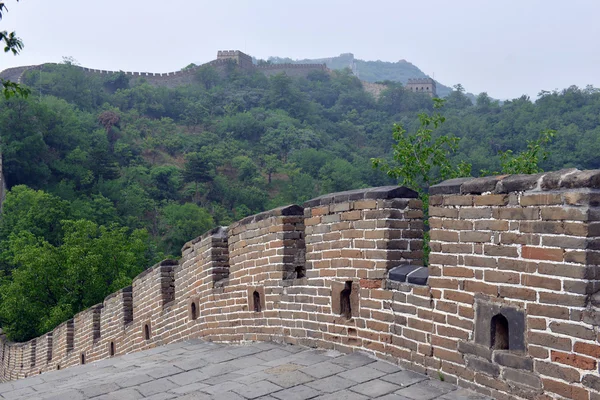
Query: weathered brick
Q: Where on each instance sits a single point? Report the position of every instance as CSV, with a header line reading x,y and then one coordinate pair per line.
x,y
491,200
572,300
543,199
502,277
564,213
510,213
565,390
475,213
573,360
460,297
491,225
573,330
545,310
512,292
500,251
589,349
480,287
540,281
444,235
443,212
547,340
477,237
557,371
457,224
459,272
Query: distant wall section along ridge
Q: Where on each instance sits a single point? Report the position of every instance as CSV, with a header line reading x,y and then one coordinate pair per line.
x,y
183,77
509,305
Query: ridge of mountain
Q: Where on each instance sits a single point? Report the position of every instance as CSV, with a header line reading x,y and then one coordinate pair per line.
x,y
372,71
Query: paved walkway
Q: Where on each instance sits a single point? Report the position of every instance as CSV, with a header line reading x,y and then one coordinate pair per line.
x,y
265,371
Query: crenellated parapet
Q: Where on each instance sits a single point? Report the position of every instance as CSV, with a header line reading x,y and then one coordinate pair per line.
x,y
508,305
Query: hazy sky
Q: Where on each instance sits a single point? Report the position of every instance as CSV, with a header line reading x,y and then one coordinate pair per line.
x,y
505,47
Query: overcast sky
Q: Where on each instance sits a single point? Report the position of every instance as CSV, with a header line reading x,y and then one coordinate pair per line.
x,y
504,47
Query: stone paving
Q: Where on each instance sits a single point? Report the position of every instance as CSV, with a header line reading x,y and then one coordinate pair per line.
x,y
265,371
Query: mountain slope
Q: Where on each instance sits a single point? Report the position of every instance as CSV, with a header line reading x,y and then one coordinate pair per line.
x,y
371,71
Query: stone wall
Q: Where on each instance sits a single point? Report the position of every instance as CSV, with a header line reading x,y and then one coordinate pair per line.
x,y
509,308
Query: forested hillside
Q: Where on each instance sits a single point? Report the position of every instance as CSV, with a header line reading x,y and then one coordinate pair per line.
x,y
107,177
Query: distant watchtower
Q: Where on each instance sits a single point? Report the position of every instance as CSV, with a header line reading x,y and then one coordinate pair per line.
x,y
243,60
422,85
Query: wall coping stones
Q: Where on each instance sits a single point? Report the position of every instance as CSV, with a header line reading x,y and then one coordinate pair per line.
x,y
284,211
415,274
376,193
219,232
563,179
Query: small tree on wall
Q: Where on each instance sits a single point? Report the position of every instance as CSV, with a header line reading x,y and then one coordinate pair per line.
x,y
420,160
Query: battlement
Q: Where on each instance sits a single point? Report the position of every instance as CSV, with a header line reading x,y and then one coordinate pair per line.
x,y
422,85
508,305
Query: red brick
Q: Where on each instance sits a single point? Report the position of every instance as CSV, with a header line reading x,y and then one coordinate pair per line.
x,y
542,253
541,282
460,297
512,292
587,348
459,272
573,360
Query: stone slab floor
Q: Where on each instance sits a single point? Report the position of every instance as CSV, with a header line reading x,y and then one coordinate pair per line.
x,y
265,371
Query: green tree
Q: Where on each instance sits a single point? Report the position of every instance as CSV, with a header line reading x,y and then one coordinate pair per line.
x,y
53,282
181,223
12,44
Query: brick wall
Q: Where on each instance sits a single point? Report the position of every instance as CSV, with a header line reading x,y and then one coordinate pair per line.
x,y
510,308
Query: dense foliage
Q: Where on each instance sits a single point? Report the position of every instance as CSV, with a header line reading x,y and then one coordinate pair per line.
x,y
106,175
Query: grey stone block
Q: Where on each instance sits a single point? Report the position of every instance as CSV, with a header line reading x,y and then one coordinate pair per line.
x,y
513,360
300,392
375,388
257,389
522,378
480,365
450,186
331,384
323,369
353,360
362,374
404,378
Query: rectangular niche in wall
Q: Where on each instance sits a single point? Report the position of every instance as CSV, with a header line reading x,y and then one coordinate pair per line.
x,y
344,299
256,299
499,326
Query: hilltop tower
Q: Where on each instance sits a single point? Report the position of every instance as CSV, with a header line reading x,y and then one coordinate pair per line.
x,y
242,59
422,85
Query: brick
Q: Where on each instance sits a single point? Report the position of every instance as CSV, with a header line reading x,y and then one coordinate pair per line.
x,y
443,235
459,272
460,297
564,213
517,238
475,213
477,237
565,270
573,360
491,225
517,293
480,287
443,259
509,213
544,282
572,300
543,199
478,261
453,356
502,277
458,200
589,349
491,200
551,227
443,212
557,371
536,323
545,310
500,251
547,340
542,253
573,330
457,225
565,390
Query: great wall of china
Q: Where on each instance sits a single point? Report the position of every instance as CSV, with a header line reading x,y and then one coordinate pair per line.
x,y
508,305
187,76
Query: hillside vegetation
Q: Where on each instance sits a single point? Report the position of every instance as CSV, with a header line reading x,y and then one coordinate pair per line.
x,y
106,177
